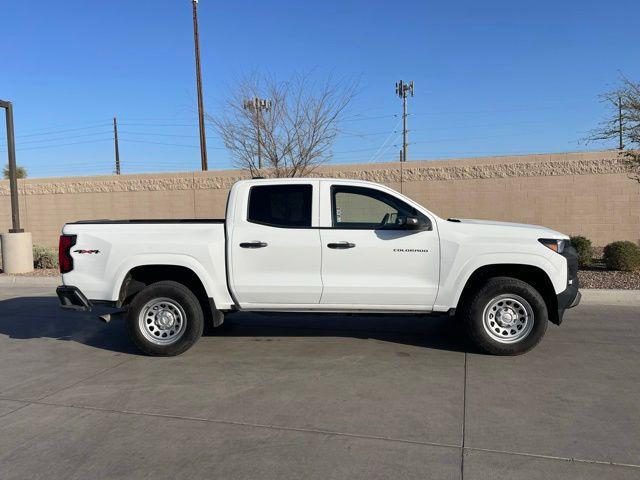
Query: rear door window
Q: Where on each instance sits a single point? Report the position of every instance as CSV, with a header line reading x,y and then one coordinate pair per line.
x,y
281,205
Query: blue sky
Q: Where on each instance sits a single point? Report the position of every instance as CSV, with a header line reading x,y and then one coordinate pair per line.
x,y
491,77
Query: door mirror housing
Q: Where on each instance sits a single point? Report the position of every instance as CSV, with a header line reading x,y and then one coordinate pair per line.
x,y
412,223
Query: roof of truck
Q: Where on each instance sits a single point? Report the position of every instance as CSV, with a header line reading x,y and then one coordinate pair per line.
x,y
303,179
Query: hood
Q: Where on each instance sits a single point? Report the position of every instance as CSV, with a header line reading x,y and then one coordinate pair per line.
x,y
549,233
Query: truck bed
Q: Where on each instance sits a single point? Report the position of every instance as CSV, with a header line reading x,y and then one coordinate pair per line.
x,y
106,250
145,220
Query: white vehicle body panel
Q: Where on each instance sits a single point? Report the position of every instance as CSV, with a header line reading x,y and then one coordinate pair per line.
x,y
287,270
472,244
124,246
386,270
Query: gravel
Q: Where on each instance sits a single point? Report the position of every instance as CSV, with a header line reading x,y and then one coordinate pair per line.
x,y
597,276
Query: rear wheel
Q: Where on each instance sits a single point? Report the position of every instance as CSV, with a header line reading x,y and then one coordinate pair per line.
x,y
165,319
505,316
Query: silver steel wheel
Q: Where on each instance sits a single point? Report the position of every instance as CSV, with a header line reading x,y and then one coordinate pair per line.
x,y
508,318
162,321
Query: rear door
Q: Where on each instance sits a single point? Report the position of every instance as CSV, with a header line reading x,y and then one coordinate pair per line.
x,y
275,245
368,258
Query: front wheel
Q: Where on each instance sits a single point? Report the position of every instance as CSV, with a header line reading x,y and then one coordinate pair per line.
x,y
165,319
506,316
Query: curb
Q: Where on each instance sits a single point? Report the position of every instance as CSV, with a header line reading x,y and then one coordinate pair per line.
x,y
23,281
595,296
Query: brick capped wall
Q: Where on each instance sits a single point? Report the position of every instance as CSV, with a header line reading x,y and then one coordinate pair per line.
x,y
576,193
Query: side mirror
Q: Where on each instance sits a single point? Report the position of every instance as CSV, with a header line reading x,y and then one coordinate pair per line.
x,y
411,223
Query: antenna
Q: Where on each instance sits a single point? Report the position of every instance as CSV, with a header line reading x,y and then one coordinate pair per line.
x,y
403,90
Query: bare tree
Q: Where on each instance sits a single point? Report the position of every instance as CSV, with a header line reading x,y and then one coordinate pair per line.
x,y
622,122
293,134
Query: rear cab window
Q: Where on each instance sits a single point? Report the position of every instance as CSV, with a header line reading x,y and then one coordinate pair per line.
x,y
285,206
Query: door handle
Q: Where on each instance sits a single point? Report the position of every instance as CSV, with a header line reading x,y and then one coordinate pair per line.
x,y
341,245
254,244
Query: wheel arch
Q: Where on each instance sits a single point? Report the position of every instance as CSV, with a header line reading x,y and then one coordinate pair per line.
x,y
138,277
531,274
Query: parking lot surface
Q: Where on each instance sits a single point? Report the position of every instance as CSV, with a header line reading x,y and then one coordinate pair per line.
x,y
307,396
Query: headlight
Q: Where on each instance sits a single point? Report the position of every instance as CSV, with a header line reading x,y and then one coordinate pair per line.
x,y
557,246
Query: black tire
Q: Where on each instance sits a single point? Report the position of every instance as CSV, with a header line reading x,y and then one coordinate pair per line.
x,y
473,310
177,294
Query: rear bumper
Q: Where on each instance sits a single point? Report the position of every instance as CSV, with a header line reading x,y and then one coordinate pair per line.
x,y
72,298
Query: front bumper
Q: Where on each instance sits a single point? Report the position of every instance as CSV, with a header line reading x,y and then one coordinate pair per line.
x,y
569,297
72,298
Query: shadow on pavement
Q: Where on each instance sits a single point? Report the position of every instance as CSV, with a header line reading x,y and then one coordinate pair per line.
x,y
436,332
41,317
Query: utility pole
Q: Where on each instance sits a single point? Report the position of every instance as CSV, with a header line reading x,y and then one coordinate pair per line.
x,y
16,245
196,41
258,105
401,162
115,140
402,90
13,178
620,127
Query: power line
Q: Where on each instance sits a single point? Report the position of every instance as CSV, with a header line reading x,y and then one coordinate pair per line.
x,y
155,134
169,144
514,134
64,144
498,110
159,124
385,141
57,139
51,132
369,118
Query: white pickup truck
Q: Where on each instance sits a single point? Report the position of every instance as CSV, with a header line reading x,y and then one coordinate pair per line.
x,y
319,245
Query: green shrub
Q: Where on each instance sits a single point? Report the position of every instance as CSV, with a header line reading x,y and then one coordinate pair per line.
x,y
584,248
622,256
44,257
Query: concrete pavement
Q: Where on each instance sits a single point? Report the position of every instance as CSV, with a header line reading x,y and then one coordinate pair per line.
x,y
306,396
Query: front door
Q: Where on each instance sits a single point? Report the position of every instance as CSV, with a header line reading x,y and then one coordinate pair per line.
x,y
369,258
275,252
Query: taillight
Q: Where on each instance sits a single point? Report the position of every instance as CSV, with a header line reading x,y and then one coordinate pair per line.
x,y
64,252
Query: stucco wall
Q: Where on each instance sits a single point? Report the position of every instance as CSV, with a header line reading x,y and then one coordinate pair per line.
x,y
577,193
